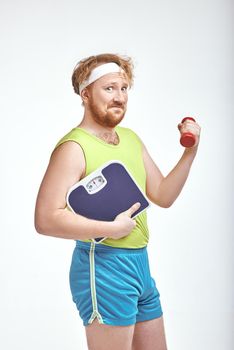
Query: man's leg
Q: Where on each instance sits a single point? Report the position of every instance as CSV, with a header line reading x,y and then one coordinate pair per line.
x,y
149,335
106,337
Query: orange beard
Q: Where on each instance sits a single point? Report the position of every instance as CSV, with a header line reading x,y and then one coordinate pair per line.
x,y
111,117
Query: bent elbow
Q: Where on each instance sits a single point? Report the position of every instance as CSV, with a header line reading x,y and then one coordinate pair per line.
x,y
161,202
166,204
39,227
41,224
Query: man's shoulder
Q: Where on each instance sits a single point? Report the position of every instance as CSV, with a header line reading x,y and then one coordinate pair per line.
x,y
127,131
75,133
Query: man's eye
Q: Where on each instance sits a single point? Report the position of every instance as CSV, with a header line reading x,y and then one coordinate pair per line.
x,y
124,88
109,88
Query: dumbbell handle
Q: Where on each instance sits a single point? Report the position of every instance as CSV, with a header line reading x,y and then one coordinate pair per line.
x,y
187,139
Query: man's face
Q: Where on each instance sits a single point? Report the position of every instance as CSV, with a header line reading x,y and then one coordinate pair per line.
x,y
108,96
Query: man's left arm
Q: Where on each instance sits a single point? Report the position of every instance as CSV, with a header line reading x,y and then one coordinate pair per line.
x,y
161,190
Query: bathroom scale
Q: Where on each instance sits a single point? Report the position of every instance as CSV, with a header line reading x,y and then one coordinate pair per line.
x,y
105,193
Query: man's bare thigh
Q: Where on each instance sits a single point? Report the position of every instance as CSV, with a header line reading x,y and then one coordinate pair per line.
x,y
149,335
106,337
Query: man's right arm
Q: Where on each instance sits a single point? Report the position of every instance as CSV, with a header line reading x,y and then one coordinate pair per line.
x,y
52,218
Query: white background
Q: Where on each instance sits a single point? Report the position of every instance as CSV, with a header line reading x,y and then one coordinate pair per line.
x,y
183,54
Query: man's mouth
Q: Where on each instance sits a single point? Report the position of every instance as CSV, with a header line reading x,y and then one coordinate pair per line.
x,y
120,107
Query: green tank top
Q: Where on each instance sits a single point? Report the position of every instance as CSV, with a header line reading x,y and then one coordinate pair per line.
x,y
129,152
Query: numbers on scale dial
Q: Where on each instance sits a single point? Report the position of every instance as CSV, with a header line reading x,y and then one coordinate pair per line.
x,y
95,183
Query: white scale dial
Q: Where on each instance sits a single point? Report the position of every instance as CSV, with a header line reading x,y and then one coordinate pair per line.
x,y
95,184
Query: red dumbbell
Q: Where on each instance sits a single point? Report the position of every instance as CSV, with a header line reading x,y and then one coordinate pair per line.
x,y
187,139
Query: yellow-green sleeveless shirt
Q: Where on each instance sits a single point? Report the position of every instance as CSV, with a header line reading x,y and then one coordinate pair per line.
x,y
129,152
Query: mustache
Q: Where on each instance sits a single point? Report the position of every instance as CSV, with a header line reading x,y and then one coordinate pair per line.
x,y
117,104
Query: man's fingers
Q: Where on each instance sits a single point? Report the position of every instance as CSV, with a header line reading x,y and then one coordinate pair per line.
x,y
132,209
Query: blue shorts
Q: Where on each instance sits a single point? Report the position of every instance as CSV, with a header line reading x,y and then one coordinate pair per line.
x,y
113,285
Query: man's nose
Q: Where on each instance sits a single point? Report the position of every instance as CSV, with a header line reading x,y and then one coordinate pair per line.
x,y
120,96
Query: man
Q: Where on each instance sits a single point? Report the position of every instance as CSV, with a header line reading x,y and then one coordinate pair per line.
x,y
111,284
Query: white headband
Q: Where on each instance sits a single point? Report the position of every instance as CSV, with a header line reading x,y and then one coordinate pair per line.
x,y
98,72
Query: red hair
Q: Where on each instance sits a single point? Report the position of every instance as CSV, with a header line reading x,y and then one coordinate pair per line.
x,y
84,67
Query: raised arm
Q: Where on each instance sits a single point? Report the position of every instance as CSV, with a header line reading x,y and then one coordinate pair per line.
x,y
161,190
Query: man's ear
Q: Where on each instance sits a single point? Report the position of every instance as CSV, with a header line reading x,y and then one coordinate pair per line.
x,y
85,95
